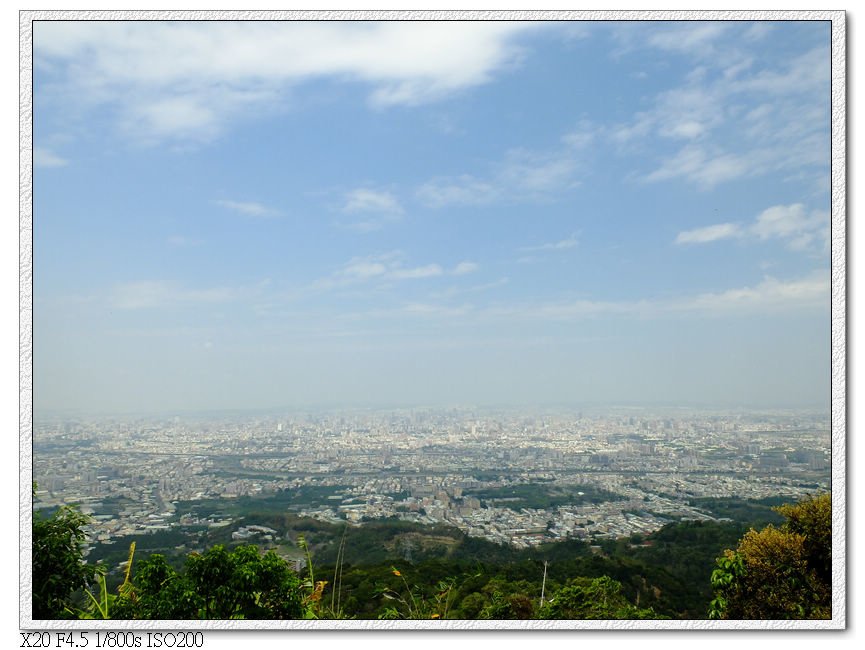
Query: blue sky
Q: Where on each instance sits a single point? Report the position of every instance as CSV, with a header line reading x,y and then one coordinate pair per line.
x,y
248,215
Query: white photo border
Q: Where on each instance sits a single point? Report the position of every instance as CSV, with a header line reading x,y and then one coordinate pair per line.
x,y
838,314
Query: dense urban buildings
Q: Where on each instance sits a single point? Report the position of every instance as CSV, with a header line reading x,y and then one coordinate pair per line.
x,y
505,476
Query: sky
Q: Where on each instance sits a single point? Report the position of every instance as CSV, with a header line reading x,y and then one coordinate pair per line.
x,y
267,215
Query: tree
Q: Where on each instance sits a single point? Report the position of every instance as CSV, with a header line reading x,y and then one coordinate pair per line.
x,y
472,604
509,599
59,569
593,598
812,518
508,607
779,573
158,592
219,584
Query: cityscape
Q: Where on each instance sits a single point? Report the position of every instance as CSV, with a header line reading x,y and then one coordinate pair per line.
x,y
433,466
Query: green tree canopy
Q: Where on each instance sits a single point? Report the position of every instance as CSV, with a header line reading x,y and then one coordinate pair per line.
x,y
779,573
593,598
219,584
58,568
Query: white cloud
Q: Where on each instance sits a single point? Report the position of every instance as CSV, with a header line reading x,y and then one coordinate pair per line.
x,y
366,200
171,115
697,165
186,80
801,230
688,112
522,175
382,207
427,310
249,208
46,158
369,225
428,271
385,267
459,190
782,221
452,291
363,270
528,172
694,38
577,309
770,293
581,137
463,268
739,114
735,69
149,294
803,75
563,244
791,223
688,129
709,233
640,127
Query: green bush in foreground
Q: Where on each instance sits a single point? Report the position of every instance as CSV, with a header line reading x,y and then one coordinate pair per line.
x,y
220,584
588,599
774,573
58,568
779,573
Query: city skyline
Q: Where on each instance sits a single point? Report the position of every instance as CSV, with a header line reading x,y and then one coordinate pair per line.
x,y
264,215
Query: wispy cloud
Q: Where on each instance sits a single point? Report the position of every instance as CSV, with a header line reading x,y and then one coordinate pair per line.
x,y
366,225
458,190
450,292
698,40
802,75
148,294
521,175
46,158
769,294
536,173
709,233
378,207
580,309
695,38
411,310
696,164
248,208
800,229
187,81
788,129
788,222
382,268
561,245
360,269
428,310
428,271
464,268
367,200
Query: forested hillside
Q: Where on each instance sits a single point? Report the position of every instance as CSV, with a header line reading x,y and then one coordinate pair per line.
x,y
394,569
